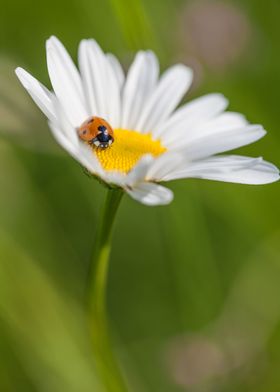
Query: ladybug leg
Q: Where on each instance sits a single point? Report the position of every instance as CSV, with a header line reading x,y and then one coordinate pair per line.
x,y
96,143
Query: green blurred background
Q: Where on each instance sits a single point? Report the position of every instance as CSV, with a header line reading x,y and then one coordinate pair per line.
x,y
194,287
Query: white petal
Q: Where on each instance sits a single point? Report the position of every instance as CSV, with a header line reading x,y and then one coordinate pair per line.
x,y
170,90
222,141
139,172
88,74
62,122
164,165
141,80
114,177
223,123
63,140
66,82
237,169
151,194
100,82
116,66
113,94
39,93
189,116
227,120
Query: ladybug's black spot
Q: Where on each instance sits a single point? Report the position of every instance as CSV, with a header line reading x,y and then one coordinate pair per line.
x,y
102,128
84,132
90,120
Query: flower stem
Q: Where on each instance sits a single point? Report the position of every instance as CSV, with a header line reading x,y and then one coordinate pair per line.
x,y
107,365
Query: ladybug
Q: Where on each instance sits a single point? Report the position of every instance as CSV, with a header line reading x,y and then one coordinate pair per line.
x,y
96,131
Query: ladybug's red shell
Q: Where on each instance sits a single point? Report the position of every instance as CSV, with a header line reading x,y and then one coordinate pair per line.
x,y
96,131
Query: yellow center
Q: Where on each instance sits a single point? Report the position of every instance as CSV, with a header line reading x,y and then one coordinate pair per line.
x,y
128,147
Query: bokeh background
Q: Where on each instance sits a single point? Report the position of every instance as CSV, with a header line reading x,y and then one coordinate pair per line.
x,y
194,287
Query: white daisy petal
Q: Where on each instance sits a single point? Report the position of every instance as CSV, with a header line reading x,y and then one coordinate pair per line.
x,y
225,122
141,80
39,93
228,120
62,122
100,82
66,82
88,76
164,165
139,172
62,139
114,178
89,160
189,116
171,88
113,95
116,66
151,194
222,141
237,169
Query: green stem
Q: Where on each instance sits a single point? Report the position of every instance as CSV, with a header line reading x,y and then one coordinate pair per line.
x,y
106,364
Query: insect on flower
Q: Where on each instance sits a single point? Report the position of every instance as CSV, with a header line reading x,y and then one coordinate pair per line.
x,y
96,131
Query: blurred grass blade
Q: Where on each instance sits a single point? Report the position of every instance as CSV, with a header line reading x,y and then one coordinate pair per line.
x,y
134,23
48,328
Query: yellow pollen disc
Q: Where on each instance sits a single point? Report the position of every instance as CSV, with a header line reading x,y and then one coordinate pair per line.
x,y
128,147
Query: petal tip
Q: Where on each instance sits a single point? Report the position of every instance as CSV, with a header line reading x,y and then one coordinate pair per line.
x,y
186,70
52,42
19,72
53,39
23,76
222,98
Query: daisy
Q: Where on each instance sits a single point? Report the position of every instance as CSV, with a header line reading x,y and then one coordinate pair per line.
x,y
143,139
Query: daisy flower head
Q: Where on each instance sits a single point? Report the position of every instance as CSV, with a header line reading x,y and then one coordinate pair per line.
x,y
126,130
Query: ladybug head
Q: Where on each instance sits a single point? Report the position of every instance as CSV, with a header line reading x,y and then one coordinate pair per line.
x,y
103,139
